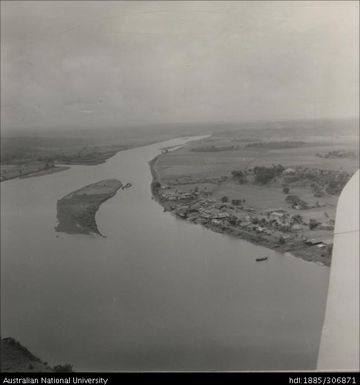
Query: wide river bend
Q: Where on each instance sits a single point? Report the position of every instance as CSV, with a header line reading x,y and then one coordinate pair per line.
x,y
157,293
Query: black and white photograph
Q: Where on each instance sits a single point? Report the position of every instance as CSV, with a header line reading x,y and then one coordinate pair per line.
x,y
179,187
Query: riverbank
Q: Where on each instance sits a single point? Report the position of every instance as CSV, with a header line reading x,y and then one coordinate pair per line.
x,y
16,358
76,211
26,154
239,220
29,170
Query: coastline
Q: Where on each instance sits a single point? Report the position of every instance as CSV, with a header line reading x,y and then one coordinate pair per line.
x,y
300,250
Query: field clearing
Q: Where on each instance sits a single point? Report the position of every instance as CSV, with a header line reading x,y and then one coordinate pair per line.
x,y
183,161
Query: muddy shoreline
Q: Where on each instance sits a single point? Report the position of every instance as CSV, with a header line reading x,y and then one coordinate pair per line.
x,y
298,249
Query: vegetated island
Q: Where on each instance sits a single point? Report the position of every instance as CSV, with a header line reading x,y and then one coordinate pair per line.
x,y
76,211
16,358
247,193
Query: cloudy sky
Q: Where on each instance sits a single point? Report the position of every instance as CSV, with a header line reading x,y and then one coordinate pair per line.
x,y
101,64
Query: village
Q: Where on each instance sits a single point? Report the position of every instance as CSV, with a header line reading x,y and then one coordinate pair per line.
x,y
288,228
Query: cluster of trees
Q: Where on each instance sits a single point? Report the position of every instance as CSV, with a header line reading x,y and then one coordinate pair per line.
x,y
336,185
317,190
313,223
336,154
294,201
213,148
238,202
264,175
332,181
239,176
277,144
261,174
297,218
156,186
286,190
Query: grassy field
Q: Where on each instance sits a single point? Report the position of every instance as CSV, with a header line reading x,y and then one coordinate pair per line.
x,y
185,161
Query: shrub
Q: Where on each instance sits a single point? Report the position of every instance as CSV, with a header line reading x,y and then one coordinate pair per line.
x,y
237,173
313,223
318,193
297,218
233,220
294,200
281,240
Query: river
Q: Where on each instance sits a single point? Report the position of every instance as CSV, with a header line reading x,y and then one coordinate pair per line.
x,y
157,293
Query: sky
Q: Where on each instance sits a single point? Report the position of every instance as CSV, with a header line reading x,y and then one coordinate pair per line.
x,y
101,64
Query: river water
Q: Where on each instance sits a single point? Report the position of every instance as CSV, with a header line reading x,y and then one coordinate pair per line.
x,y
157,293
